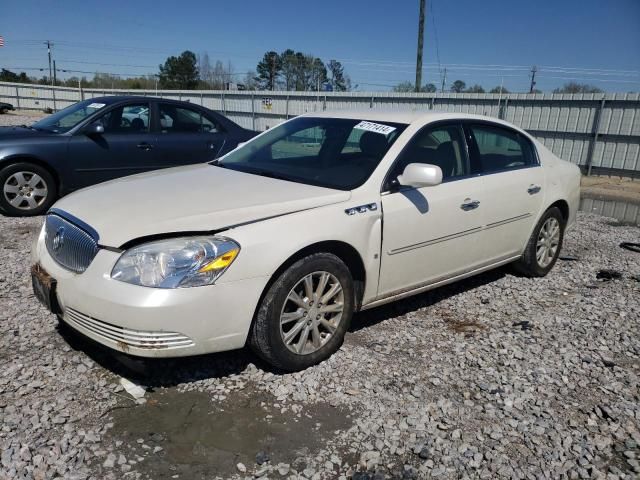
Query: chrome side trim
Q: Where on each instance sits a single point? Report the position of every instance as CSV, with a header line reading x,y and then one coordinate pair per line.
x,y
434,241
507,220
458,234
420,288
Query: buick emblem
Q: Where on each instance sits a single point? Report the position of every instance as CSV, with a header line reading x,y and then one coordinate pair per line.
x,y
58,239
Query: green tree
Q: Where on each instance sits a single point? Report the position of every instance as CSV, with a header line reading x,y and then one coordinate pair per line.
x,y
180,72
9,76
338,80
475,89
575,87
318,74
268,70
429,88
404,87
458,86
289,64
498,90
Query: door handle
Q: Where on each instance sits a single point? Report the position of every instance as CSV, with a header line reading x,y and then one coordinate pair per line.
x,y
533,189
145,146
469,204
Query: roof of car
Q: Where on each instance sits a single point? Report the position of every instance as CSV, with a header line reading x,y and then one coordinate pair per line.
x,y
120,98
401,116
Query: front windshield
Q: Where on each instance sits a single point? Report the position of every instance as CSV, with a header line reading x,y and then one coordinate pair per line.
x,y
66,119
335,153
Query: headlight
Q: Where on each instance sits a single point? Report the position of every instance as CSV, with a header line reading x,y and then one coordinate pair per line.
x,y
177,262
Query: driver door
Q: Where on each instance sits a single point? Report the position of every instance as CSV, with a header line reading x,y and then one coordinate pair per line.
x,y
127,146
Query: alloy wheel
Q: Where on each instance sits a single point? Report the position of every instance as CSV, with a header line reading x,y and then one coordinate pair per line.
x,y
25,190
548,241
312,312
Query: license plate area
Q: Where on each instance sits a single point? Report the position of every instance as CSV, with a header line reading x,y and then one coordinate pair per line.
x,y
44,288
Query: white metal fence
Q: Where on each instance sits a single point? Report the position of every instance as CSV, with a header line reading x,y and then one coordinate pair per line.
x,y
599,132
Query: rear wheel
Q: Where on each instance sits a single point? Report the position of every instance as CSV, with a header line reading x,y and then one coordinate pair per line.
x,y
543,248
305,313
26,189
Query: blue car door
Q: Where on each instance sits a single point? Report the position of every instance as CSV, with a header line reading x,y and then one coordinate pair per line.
x,y
127,146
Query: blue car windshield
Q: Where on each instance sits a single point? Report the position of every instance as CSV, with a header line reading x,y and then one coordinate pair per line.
x,y
338,153
66,119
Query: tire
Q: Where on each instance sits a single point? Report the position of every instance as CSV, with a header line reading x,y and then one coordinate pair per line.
x,y
35,183
3,110
531,264
267,335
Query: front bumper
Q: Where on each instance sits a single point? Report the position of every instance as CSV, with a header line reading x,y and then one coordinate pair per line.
x,y
152,322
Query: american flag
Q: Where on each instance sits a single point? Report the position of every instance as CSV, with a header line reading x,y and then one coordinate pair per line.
x,y
1,41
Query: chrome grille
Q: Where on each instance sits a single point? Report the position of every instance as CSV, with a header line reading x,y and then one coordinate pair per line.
x,y
69,245
125,336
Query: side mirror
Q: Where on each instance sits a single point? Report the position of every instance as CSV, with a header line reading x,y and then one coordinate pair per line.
x,y
94,129
420,175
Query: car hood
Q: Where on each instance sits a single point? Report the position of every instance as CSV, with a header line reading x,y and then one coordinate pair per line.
x,y
196,198
17,132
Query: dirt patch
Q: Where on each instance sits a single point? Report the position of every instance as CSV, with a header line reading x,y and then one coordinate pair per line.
x,y
200,438
611,188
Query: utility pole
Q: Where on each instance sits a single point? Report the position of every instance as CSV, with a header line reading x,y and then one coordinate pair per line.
x,y
444,80
55,82
534,69
49,45
420,46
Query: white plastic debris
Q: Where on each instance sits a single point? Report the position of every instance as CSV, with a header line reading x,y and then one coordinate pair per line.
x,y
135,390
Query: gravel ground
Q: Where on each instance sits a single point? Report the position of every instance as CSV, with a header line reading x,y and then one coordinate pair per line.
x,y
20,117
494,377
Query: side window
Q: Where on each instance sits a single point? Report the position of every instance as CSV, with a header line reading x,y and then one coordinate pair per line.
x,y
442,145
132,118
184,120
304,143
501,149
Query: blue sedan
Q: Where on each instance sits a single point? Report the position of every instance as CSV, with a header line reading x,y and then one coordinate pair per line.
x,y
105,138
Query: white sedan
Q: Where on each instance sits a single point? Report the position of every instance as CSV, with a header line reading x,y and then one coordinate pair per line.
x,y
279,242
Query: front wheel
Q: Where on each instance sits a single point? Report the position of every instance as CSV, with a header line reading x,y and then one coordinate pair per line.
x,y
305,313
543,248
26,189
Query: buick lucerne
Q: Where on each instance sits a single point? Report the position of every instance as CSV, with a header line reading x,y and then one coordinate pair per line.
x,y
279,242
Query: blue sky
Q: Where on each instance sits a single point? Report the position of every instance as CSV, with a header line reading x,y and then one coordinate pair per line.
x,y
480,41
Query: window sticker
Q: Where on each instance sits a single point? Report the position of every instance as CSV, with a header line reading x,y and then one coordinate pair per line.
x,y
96,105
375,127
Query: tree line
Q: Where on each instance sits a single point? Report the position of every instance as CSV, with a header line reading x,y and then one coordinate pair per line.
x,y
460,86
289,70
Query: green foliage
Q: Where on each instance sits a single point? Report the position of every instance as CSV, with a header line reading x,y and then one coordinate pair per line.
x,y
574,87
498,90
180,72
458,86
475,89
9,76
268,70
338,80
406,87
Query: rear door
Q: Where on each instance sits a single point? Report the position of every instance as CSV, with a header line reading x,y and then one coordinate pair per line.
x,y
187,135
127,146
513,181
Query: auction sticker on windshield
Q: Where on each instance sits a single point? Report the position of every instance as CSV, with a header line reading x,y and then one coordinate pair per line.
x,y
375,127
96,105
